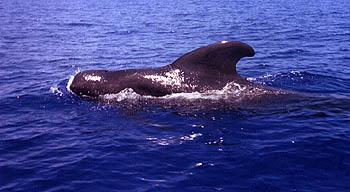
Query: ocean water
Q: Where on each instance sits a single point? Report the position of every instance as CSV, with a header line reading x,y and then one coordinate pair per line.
x,y
52,140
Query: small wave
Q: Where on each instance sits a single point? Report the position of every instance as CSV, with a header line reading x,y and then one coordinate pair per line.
x,y
120,32
289,52
174,140
80,24
304,81
294,75
273,77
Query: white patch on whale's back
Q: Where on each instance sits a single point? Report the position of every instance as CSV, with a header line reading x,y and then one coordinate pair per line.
x,y
173,78
92,78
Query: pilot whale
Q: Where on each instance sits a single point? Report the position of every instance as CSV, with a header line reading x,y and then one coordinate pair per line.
x,y
210,67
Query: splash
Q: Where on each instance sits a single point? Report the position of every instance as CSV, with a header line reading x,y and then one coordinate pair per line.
x,y
70,83
127,93
55,90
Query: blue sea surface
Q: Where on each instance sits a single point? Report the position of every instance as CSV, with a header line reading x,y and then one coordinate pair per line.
x,y
52,140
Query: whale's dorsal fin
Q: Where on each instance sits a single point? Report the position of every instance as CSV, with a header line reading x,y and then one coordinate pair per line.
x,y
220,57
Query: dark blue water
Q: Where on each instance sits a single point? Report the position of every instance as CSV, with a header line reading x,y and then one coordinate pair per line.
x,y
52,140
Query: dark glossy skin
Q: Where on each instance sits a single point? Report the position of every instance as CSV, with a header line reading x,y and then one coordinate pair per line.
x,y
208,67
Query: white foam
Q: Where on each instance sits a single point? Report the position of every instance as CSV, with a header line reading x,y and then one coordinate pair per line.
x,y
153,180
56,91
163,142
251,78
230,90
295,72
70,83
127,93
173,140
190,137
